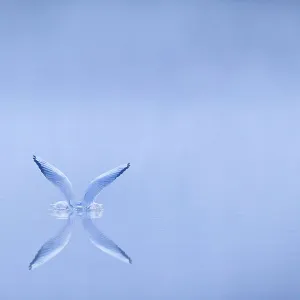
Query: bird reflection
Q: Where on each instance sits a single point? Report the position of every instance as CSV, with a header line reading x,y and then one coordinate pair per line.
x,y
56,244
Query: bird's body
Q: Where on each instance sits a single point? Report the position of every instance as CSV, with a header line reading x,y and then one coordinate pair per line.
x,y
61,210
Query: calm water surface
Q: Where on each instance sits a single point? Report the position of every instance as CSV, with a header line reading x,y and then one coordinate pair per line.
x,y
201,100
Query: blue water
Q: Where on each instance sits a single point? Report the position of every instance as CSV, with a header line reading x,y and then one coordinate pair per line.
x,y
202,100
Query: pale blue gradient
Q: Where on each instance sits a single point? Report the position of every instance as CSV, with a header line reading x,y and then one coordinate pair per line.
x,y
202,100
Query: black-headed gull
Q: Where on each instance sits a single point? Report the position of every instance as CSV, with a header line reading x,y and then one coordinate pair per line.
x,y
60,180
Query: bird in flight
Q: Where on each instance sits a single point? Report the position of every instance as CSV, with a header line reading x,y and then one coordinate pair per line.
x,y
61,181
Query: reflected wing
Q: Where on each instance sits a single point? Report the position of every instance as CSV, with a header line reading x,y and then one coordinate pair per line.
x,y
58,178
103,243
100,182
52,247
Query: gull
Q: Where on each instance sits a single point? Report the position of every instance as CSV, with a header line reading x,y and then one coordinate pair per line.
x,y
61,181
56,244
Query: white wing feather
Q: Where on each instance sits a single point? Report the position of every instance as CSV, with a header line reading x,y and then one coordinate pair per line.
x,y
100,241
55,176
52,247
100,182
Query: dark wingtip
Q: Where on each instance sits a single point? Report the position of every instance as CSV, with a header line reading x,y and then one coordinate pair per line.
x,y
38,163
128,165
130,260
35,159
30,267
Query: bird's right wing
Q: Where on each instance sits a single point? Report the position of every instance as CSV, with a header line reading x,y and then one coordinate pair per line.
x,y
55,176
100,182
53,246
100,241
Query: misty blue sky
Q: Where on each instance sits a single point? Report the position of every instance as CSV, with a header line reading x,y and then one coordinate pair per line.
x,y
201,99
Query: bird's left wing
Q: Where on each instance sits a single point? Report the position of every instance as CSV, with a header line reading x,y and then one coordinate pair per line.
x,y
100,241
55,176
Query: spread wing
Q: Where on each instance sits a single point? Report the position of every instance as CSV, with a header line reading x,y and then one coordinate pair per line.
x,y
100,182
52,247
103,243
55,176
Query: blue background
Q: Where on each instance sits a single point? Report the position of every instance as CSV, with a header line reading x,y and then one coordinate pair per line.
x,y
201,98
